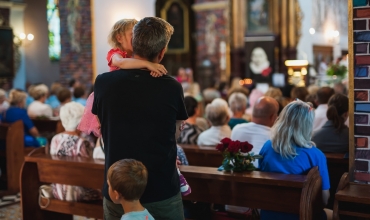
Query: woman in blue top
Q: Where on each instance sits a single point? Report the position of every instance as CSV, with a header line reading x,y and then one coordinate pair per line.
x,y
17,111
291,151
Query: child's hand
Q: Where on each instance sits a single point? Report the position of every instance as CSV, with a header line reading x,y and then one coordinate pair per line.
x,y
155,74
157,69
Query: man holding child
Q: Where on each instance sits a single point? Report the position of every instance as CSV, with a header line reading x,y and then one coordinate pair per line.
x,y
140,116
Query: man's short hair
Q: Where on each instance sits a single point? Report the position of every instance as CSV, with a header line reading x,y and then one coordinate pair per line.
x,y
324,94
78,92
64,94
150,36
129,178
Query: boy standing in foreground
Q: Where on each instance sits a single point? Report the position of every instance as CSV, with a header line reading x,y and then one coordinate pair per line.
x,y
127,181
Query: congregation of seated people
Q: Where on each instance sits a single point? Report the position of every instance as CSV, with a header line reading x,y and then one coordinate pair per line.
x,y
254,116
37,103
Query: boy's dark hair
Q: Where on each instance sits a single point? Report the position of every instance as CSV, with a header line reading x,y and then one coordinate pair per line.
x,y
63,95
78,92
128,177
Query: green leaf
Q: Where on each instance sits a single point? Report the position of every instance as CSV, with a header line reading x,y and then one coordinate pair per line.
x,y
228,167
257,156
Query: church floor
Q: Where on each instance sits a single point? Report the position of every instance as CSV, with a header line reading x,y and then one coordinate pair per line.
x,y
13,212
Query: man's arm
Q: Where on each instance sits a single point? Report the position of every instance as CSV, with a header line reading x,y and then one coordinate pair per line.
x,y
34,132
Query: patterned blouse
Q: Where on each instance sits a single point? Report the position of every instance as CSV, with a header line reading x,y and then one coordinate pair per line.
x,y
189,135
182,156
72,145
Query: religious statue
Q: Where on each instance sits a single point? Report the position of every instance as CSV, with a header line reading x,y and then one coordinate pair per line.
x,y
259,62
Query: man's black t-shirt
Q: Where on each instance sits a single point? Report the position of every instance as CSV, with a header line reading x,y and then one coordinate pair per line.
x,y
138,116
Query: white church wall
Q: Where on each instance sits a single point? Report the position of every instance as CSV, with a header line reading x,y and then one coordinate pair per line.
x,y
16,22
105,14
325,17
304,48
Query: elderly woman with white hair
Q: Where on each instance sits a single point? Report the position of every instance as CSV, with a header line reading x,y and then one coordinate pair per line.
x,y
217,113
17,112
291,151
238,105
38,107
69,143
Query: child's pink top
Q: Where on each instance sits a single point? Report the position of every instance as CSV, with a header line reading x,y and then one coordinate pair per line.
x,y
89,122
110,55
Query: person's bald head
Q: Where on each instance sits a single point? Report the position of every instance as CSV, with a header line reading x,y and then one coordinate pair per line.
x,y
265,111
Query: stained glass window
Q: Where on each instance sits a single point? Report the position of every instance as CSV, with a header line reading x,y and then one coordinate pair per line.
x,y
54,29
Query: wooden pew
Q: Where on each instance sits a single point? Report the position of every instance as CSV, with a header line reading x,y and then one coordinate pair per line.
x,y
202,156
338,164
298,194
352,201
210,157
13,137
48,127
39,169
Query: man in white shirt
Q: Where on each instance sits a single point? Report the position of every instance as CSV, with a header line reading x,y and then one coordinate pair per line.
x,y
322,98
257,132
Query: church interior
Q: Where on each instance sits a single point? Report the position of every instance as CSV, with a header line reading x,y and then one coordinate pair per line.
x,y
243,66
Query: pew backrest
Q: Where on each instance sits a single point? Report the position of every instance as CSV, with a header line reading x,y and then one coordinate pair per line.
x,y
204,156
48,127
338,164
298,194
13,136
40,168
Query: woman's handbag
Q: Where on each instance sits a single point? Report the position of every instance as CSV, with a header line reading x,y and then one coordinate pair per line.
x,y
45,193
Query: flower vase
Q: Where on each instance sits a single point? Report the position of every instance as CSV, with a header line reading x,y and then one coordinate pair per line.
x,y
237,156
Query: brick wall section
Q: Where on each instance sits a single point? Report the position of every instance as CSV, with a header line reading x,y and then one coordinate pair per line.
x,y
361,26
74,64
221,30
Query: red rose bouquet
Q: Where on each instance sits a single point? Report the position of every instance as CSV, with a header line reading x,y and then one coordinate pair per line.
x,y
236,155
